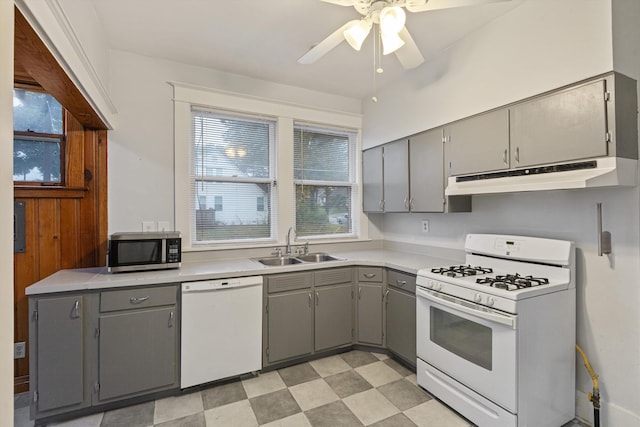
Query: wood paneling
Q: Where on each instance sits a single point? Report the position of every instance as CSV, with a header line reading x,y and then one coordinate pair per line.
x,y
65,227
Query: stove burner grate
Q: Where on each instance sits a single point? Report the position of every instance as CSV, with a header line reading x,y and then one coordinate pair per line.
x,y
461,271
512,282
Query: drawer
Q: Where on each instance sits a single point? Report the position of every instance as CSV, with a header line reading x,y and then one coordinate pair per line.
x,y
400,280
288,282
370,274
131,299
334,276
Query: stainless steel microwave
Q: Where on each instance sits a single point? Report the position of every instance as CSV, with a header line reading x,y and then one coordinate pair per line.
x,y
144,251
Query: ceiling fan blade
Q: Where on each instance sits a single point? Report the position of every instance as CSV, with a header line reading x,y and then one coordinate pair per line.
x,y
341,2
445,4
409,55
322,48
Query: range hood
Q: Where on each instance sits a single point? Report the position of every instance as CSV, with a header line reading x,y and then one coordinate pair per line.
x,y
592,173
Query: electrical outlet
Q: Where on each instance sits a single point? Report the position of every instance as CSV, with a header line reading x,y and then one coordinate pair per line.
x,y
163,226
149,226
19,350
425,225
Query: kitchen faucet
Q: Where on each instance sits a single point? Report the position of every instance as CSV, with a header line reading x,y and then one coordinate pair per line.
x,y
288,250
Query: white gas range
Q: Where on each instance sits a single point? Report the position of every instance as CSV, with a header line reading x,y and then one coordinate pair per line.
x,y
496,336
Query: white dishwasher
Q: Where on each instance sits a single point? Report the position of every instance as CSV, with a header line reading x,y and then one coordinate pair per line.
x,y
221,329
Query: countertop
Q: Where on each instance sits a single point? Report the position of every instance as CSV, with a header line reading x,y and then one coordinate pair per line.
x,y
84,279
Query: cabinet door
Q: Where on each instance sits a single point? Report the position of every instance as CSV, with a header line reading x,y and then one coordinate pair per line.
x,y
60,365
289,319
478,144
370,314
372,178
426,172
401,324
137,352
333,314
396,176
568,125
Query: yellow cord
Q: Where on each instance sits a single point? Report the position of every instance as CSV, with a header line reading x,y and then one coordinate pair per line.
x,y
587,365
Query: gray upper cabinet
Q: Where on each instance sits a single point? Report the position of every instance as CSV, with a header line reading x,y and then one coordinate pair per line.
x,y
568,125
426,172
59,368
396,176
478,144
372,178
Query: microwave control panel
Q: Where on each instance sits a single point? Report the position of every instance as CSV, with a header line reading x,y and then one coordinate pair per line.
x,y
173,250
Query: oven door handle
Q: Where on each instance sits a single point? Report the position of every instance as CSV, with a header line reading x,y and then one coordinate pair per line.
x,y
468,307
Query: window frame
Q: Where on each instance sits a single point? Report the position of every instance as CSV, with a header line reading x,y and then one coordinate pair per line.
x,y
351,183
185,96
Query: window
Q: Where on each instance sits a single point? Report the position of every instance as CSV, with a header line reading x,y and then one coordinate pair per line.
x,y
260,203
38,137
324,180
231,162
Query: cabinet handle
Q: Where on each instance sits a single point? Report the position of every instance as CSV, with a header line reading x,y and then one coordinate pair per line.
x,y
381,204
400,283
504,157
75,313
135,300
369,275
359,292
386,300
309,299
406,203
317,298
171,315
517,156
411,203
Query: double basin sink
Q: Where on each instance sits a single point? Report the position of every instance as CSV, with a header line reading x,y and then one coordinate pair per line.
x,y
278,261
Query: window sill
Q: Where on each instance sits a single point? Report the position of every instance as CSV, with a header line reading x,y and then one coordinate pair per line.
x,y
48,192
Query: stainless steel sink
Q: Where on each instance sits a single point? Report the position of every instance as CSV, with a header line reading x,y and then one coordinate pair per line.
x,y
278,261
317,257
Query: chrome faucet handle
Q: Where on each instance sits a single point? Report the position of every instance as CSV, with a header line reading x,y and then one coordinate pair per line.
x,y
306,248
277,252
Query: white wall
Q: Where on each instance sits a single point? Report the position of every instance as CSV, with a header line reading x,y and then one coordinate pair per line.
x,y
537,47
141,151
6,213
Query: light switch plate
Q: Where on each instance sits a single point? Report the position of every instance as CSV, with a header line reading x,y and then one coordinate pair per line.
x,y
164,226
19,350
149,226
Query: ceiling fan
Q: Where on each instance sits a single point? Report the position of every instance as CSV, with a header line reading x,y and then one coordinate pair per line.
x,y
390,17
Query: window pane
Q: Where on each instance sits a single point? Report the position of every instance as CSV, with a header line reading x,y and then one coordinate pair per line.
x,y
36,160
321,155
36,112
323,210
232,213
230,147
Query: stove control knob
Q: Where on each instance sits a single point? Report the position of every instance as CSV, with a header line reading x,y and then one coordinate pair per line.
x,y
438,286
430,284
491,301
477,298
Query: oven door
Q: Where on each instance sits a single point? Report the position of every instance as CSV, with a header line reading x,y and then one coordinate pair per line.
x,y
473,344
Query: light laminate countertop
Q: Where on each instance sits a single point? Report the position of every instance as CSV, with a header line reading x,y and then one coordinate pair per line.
x,y
85,279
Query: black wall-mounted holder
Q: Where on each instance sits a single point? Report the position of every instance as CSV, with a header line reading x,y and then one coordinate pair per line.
x,y
19,228
604,237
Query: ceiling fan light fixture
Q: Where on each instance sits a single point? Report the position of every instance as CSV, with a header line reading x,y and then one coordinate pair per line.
x,y
357,33
392,19
390,42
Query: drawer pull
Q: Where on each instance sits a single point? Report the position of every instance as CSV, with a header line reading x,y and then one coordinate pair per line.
x,y
401,283
369,275
136,300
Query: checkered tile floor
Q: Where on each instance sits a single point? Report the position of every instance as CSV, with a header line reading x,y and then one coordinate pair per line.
x,y
350,389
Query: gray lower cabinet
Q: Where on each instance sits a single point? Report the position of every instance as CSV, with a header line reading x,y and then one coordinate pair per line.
x,y
289,320
60,380
369,306
401,315
307,312
96,347
137,342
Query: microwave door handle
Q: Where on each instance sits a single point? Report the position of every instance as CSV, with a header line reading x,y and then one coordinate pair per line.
x,y
491,317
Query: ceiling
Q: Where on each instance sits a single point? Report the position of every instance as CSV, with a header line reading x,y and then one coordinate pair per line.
x,y
264,39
